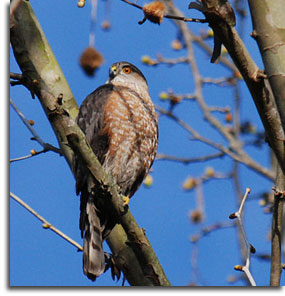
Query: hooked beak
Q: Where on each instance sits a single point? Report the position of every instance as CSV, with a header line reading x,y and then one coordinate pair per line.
x,y
112,73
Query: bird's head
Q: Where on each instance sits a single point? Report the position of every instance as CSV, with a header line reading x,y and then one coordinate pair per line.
x,y
122,72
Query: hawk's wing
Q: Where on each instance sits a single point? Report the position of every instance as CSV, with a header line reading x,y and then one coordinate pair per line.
x,y
90,119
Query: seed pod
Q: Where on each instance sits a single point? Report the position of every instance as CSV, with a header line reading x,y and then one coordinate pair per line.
x,y
90,60
154,12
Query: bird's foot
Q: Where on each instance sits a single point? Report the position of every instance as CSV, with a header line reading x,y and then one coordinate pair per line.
x,y
126,200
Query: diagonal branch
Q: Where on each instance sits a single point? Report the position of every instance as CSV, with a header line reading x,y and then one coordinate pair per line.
x,y
36,137
161,156
236,154
254,78
46,224
174,17
136,236
32,154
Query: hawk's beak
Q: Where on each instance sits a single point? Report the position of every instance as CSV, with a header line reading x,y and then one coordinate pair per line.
x,y
112,73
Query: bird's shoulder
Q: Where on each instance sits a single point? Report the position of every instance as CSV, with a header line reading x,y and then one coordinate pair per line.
x,y
93,105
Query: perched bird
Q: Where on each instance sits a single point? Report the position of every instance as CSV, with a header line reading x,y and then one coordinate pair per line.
x,y
120,124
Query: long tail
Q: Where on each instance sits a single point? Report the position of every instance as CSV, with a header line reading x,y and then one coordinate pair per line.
x,y
93,253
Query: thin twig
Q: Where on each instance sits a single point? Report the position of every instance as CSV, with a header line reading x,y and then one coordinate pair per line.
x,y
220,109
250,248
161,156
174,17
238,213
237,186
238,155
224,81
194,265
33,153
21,158
209,229
93,23
161,60
36,137
46,224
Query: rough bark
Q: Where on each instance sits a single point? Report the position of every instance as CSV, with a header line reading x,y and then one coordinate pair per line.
x,y
269,32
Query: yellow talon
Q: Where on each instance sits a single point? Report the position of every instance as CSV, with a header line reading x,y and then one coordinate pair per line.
x,y
126,200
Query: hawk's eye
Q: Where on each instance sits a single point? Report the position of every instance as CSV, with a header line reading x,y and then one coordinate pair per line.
x,y
127,70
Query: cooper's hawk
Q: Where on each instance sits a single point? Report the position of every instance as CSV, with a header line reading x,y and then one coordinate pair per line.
x,y
120,123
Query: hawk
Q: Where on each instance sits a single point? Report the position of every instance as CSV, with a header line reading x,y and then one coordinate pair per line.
x,y
120,124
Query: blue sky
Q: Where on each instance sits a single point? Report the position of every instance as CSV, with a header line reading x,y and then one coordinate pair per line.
x,y
38,257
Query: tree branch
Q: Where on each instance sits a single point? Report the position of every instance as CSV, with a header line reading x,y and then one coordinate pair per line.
x,y
36,137
46,224
276,240
161,156
253,76
239,155
174,17
248,67
33,153
136,236
250,248
268,31
14,5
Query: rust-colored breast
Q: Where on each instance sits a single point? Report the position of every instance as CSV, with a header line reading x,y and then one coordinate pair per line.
x,y
131,124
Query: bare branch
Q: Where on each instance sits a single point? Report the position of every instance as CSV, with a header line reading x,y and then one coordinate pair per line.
x,y
209,229
160,60
36,137
250,248
276,237
224,81
33,153
255,79
238,213
219,109
175,17
161,156
93,23
21,158
239,154
46,224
